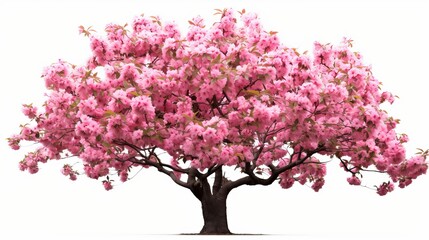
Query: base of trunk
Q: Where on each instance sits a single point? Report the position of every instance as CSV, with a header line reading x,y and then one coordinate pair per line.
x,y
209,229
214,214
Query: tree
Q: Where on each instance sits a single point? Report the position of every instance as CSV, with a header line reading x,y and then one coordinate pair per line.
x,y
229,98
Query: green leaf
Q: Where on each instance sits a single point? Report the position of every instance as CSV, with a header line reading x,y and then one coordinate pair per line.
x,y
218,11
253,92
296,51
239,155
217,59
357,97
117,75
187,117
310,120
109,113
295,125
135,93
75,103
106,144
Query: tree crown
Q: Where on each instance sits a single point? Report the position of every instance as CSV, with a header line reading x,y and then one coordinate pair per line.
x,y
227,95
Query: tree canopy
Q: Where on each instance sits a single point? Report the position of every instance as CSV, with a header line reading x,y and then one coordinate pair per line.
x,y
226,95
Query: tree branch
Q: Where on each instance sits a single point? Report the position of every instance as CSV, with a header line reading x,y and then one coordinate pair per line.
x,y
298,161
210,171
226,96
196,187
218,180
252,179
145,161
152,153
205,187
160,169
247,180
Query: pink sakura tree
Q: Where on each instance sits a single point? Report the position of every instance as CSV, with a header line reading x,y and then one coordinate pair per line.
x,y
228,97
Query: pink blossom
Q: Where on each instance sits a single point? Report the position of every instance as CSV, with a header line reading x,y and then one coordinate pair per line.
x,y
88,127
385,188
22,166
142,105
73,177
387,96
33,169
404,182
210,136
381,163
13,142
403,138
137,135
107,185
88,106
354,180
123,176
66,170
318,184
287,183
29,110
228,93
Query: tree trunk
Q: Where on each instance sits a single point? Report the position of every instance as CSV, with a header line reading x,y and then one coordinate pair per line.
x,y
214,214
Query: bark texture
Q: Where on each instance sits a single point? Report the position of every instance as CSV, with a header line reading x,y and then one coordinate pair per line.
x,y
214,215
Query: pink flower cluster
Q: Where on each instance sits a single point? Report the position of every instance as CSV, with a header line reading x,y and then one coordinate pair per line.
x,y
406,171
385,188
29,110
311,170
31,160
354,180
230,94
68,171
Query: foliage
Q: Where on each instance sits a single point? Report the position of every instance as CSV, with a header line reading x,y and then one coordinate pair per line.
x,y
227,95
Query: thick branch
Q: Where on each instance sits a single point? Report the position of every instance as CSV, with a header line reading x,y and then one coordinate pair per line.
x,y
196,187
298,161
152,153
160,169
178,181
145,161
211,170
217,181
234,184
248,180
205,187
252,179
262,145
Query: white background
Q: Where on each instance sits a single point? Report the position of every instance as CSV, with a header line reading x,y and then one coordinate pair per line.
x,y
391,35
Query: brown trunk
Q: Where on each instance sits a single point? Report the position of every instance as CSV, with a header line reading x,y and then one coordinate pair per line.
x,y
214,214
